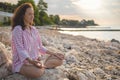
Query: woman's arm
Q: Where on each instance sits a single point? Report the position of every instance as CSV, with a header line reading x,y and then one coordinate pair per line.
x,y
18,43
43,50
58,55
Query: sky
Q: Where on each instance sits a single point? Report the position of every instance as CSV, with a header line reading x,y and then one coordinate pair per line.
x,y
103,12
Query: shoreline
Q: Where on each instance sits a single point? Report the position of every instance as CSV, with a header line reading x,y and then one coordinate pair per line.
x,y
57,31
87,32
62,32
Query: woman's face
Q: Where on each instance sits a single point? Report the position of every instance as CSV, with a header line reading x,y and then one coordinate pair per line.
x,y
29,16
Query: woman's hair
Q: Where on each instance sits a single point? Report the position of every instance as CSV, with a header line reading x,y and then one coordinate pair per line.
x,y
18,17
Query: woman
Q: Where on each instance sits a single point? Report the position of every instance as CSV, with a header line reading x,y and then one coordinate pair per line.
x,y
27,46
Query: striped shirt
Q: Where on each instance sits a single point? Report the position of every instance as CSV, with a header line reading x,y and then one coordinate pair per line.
x,y
25,44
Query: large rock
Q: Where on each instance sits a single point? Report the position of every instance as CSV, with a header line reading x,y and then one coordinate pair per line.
x,y
5,38
5,62
80,74
3,55
71,57
89,74
53,74
99,72
4,71
15,77
114,40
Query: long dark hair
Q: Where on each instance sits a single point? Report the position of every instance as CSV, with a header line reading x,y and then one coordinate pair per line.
x,y
18,17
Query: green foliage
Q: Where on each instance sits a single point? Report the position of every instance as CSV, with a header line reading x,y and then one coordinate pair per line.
x,y
36,19
42,6
70,22
76,23
7,7
51,18
41,16
1,24
6,21
55,19
44,18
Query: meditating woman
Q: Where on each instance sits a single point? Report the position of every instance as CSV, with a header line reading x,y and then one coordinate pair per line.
x,y
27,46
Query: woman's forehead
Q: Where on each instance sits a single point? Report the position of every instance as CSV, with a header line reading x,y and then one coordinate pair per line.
x,y
29,10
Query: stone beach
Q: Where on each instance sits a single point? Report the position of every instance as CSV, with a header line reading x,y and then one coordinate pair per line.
x,y
85,58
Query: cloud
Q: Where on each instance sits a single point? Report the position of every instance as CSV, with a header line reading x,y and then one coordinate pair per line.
x,y
108,13
60,7
10,1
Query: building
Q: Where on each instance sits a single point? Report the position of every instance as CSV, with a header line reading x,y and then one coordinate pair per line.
x,y
4,16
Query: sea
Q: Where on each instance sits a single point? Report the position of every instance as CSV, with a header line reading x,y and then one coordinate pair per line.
x,y
105,33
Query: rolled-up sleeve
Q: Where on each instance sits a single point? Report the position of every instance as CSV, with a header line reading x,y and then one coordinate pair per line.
x,y
41,48
18,43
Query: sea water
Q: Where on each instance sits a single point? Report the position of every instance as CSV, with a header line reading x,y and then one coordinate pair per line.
x,y
95,32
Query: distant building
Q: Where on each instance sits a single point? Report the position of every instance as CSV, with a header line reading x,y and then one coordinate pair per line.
x,y
5,16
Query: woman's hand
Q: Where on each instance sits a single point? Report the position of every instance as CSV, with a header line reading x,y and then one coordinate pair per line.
x,y
36,63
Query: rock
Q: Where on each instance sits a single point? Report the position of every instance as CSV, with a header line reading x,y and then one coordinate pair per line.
x,y
93,53
15,77
71,60
67,46
44,41
54,49
89,74
5,62
5,38
82,76
4,71
108,77
114,40
71,57
109,68
3,54
59,46
72,52
53,74
114,44
99,72
96,60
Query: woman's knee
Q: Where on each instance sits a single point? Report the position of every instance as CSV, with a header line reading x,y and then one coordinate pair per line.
x,y
38,73
53,63
59,62
31,71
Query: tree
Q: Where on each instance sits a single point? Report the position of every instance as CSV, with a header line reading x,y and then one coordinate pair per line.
x,y
51,18
57,19
42,6
83,23
7,7
36,12
43,16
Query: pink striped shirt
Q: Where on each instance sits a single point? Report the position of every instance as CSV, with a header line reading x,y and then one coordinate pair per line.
x,y
24,45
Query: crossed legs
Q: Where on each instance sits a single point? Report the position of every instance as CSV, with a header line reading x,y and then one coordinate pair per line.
x,y
33,72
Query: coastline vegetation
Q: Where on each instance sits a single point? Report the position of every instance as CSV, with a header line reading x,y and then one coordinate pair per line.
x,y
42,17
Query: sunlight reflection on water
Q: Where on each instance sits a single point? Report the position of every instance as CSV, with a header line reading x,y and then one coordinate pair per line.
x,y
101,35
